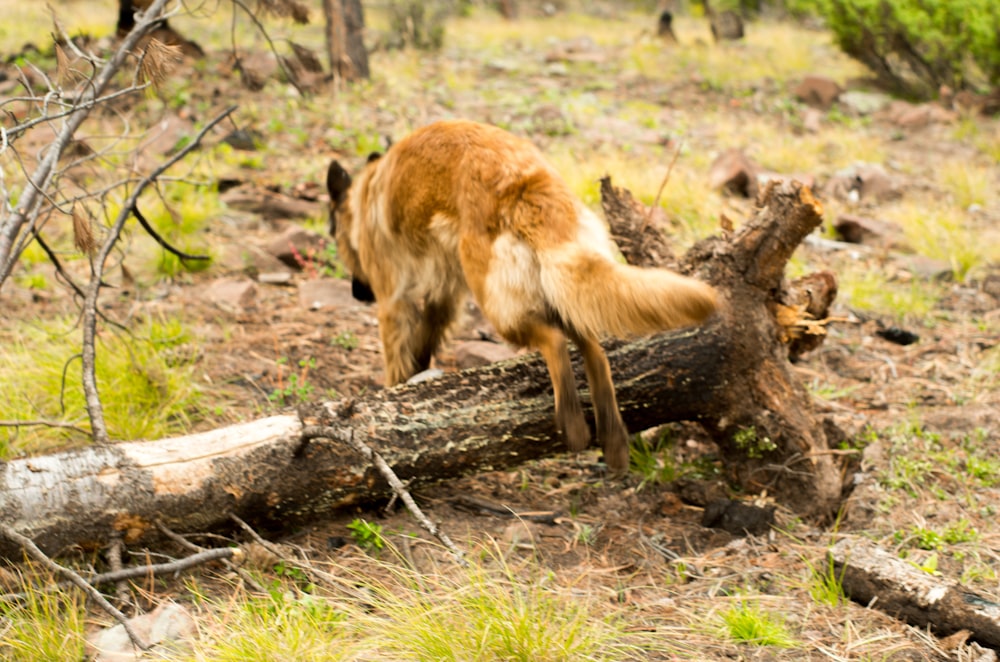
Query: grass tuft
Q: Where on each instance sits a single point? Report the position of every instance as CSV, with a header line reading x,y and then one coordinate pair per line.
x,y
145,382
747,622
45,625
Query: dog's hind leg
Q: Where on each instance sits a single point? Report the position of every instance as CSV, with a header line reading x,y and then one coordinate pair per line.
x,y
611,432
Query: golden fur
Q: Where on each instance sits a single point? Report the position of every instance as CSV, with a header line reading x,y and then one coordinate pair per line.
x,y
459,206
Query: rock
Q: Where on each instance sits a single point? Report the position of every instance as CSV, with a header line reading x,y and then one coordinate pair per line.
x,y
476,353
812,120
231,293
297,246
165,136
861,230
739,519
169,629
246,140
726,25
256,69
734,172
863,181
268,204
859,102
909,116
928,268
275,277
326,293
817,91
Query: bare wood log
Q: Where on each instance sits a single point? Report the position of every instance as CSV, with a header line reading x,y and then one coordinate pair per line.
x,y
873,576
731,375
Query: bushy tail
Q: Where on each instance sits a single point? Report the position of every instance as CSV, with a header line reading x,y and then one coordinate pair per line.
x,y
597,296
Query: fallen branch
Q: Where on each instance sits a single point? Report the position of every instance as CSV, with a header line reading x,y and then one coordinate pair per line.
x,y
876,578
38,555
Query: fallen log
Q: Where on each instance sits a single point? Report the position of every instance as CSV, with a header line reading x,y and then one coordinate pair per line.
x,y
731,375
873,577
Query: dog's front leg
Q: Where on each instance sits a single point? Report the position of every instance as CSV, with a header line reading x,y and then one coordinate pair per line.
x,y
401,330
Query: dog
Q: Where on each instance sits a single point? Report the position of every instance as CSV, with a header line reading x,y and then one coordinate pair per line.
x,y
459,207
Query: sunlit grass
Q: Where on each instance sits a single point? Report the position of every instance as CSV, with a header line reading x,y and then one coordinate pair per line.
x,y
942,232
835,146
685,198
773,51
748,623
484,31
487,611
145,382
44,626
869,290
31,22
969,184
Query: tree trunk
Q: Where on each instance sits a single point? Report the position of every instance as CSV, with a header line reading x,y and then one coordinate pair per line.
x,y
731,375
345,44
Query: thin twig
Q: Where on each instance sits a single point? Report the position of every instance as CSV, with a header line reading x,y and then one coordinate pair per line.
x,y
327,432
663,185
274,51
34,552
50,424
94,407
34,192
227,564
115,561
161,241
168,568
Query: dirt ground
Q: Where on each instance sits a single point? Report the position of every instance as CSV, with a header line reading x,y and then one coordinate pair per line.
x,y
934,399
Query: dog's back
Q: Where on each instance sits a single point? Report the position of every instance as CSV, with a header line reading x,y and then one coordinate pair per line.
x,y
459,205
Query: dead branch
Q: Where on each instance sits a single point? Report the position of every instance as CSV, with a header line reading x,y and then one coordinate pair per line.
x,y
226,563
38,555
876,578
29,202
94,407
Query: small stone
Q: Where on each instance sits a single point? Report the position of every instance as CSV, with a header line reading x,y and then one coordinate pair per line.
x,y
477,353
232,293
296,246
817,91
168,628
326,293
734,172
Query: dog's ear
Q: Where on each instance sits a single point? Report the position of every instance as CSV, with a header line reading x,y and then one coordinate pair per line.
x,y
338,182
374,156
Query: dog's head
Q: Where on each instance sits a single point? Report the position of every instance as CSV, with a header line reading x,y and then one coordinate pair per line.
x,y
338,183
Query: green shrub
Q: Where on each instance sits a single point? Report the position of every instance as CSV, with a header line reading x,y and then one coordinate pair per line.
x,y
915,46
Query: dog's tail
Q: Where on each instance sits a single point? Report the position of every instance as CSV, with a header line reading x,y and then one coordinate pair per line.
x,y
597,296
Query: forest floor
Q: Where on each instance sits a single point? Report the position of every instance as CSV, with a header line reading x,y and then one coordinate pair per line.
x,y
252,335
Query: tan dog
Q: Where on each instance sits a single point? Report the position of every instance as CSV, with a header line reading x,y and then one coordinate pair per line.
x,y
459,206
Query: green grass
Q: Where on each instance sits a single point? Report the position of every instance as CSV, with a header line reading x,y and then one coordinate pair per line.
x,y
869,290
487,611
746,622
46,626
146,382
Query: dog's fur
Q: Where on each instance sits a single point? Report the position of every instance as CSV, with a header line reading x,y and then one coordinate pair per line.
x,y
459,206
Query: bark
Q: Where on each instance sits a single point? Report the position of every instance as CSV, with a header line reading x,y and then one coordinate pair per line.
x,y
731,375
345,45
872,576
